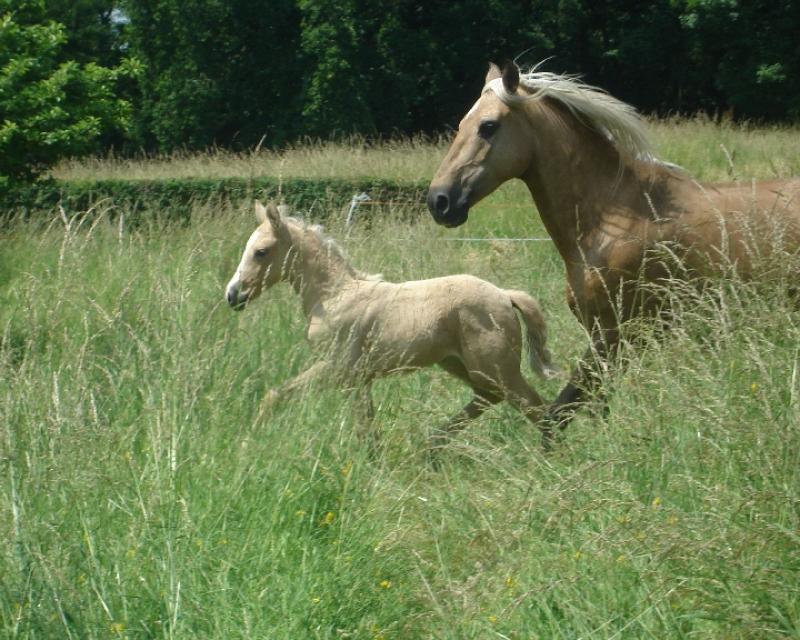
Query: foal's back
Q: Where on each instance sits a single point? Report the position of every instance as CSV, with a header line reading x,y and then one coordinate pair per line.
x,y
422,322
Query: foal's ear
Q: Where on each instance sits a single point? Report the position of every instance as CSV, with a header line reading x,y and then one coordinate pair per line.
x,y
510,77
261,212
493,73
273,215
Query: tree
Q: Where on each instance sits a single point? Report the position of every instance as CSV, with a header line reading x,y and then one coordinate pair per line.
x,y
49,107
745,55
221,72
335,97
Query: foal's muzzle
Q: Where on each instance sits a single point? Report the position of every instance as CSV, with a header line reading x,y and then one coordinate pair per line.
x,y
236,301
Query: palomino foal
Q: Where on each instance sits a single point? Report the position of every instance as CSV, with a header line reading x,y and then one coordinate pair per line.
x,y
369,328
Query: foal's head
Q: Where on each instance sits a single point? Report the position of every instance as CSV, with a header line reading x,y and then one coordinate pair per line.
x,y
264,259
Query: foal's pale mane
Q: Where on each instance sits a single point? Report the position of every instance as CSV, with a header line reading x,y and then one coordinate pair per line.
x,y
330,247
618,121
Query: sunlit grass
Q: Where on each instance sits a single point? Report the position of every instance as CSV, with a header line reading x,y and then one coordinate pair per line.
x,y
708,150
412,159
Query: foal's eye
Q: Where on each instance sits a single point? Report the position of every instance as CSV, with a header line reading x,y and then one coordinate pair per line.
x,y
487,128
260,253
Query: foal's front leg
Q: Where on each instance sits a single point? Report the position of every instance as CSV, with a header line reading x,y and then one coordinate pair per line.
x,y
299,382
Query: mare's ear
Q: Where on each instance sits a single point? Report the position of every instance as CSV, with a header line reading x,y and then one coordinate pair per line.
x,y
510,77
284,209
493,73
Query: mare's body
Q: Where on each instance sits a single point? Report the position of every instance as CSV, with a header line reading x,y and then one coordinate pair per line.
x,y
619,217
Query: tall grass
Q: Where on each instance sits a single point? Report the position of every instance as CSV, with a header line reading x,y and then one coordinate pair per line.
x,y
710,151
412,159
147,492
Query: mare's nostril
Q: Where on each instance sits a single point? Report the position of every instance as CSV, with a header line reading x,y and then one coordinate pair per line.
x,y
442,204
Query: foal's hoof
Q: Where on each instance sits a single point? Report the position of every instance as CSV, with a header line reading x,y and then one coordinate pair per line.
x,y
269,401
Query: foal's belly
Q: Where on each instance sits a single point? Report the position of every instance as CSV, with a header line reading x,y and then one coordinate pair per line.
x,y
409,342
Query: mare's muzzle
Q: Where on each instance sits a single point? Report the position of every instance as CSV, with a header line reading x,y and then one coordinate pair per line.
x,y
448,208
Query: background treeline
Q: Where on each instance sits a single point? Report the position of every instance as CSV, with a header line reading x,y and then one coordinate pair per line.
x,y
231,72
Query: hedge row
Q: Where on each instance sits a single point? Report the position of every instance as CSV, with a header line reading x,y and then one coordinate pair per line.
x,y
174,199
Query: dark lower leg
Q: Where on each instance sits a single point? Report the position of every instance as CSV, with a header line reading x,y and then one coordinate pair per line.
x,y
584,383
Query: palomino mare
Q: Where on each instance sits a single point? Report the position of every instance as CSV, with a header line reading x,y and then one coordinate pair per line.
x,y
619,217
369,328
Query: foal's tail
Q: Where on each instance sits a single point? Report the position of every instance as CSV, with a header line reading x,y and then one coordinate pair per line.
x,y
538,353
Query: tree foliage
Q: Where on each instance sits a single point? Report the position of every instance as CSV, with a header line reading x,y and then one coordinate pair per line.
x,y
218,72
230,72
49,107
238,73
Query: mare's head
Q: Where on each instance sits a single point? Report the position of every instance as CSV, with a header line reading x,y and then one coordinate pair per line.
x,y
523,125
488,150
264,258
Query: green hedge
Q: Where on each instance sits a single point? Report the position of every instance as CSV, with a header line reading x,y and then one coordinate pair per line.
x,y
175,199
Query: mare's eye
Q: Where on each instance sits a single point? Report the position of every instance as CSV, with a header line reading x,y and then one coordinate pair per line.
x,y
487,128
260,253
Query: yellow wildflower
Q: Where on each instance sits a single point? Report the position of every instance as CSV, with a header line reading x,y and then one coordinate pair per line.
x,y
385,584
116,627
327,519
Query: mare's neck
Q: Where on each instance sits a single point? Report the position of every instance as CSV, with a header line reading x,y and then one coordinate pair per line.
x,y
577,176
315,271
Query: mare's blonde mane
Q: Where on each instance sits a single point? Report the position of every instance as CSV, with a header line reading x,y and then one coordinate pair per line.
x,y
618,121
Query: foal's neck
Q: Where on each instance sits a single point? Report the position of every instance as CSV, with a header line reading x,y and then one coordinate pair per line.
x,y
316,272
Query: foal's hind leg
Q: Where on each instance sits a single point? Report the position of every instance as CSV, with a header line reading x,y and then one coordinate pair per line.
x,y
480,402
505,379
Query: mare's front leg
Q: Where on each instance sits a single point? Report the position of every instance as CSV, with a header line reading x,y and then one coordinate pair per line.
x,y
584,382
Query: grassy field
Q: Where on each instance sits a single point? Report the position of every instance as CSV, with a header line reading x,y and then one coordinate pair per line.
x,y
145,491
